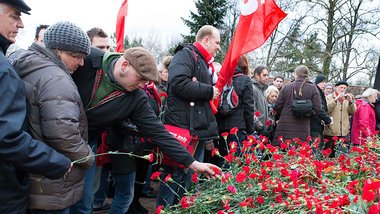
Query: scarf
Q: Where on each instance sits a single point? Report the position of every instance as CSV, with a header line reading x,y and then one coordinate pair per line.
x,y
208,58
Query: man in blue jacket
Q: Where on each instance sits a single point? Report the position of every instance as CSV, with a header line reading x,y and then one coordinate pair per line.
x,y
19,153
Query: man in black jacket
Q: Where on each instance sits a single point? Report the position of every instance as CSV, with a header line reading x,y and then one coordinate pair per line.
x,y
190,90
316,125
110,88
19,153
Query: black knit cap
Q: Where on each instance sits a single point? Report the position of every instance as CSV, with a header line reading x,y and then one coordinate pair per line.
x,y
67,36
320,78
341,82
18,4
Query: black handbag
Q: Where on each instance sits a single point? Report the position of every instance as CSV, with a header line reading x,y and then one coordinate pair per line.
x,y
301,108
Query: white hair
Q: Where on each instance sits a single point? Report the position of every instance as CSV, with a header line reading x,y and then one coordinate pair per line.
x,y
369,92
270,89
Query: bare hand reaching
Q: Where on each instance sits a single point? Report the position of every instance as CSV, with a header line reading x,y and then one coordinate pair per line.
x,y
204,168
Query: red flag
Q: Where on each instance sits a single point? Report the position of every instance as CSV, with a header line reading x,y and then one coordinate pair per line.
x,y
120,22
257,21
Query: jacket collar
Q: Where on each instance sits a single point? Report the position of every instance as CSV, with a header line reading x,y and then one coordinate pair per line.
x,y
261,86
47,52
4,43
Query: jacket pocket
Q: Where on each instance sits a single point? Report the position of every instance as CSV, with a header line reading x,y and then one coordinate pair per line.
x,y
200,117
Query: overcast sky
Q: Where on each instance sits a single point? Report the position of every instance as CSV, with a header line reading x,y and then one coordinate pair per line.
x,y
162,17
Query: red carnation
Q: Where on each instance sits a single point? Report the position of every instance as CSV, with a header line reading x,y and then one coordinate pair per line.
x,y
234,130
168,178
257,113
215,152
155,175
284,146
268,123
184,202
260,200
224,135
158,210
241,177
163,95
194,178
278,198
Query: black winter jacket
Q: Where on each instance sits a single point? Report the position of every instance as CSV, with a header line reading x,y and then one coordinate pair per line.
x,y
377,113
243,117
133,105
19,153
186,65
315,124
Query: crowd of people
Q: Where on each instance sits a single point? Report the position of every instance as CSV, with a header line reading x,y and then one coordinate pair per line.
x,y
70,96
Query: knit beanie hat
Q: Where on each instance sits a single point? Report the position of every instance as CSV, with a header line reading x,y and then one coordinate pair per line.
x,y
341,82
320,78
143,61
67,36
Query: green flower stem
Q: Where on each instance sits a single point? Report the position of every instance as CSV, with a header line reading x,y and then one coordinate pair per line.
x,y
109,153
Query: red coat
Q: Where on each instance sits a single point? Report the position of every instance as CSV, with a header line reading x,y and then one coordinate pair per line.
x,y
364,122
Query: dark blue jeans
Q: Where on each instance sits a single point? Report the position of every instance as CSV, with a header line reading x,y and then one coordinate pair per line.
x,y
84,206
101,194
124,187
167,194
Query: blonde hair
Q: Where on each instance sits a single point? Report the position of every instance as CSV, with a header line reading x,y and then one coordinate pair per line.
x,y
166,61
270,89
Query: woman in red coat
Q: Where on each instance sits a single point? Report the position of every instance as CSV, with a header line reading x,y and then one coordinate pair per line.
x,y
364,122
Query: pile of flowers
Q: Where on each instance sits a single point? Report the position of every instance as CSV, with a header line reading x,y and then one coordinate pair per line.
x,y
296,177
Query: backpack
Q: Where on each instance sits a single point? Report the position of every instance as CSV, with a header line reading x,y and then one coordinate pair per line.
x,y
229,99
301,108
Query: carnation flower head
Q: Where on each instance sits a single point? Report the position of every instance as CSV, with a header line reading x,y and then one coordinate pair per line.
x,y
155,175
234,130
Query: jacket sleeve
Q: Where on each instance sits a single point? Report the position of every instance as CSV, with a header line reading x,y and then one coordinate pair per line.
x,y
181,73
323,116
248,106
280,102
331,103
60,115
16,146
151,127
255,96
316,100
351,108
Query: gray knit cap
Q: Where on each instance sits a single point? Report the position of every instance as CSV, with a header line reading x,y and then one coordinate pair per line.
x,y
67,36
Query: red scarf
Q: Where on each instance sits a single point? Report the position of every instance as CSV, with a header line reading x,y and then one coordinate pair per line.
x,y
208,58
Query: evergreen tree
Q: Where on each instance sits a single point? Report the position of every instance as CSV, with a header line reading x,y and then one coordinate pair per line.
x,y
209,12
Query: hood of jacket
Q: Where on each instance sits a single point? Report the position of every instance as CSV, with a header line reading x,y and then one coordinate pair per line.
x,y
28,61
